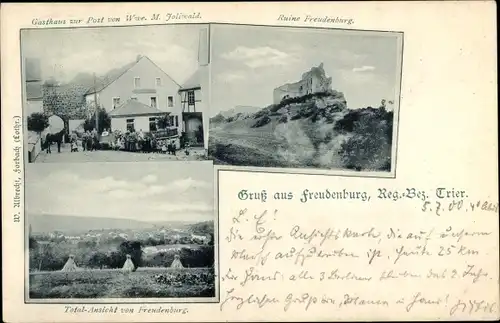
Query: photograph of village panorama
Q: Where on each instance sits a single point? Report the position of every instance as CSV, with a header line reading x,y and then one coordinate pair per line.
x,y
116,94
304,98
102,231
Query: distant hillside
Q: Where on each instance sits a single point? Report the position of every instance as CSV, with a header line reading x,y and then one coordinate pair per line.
x,y
240,109
41,223
202,227
50,223
217,119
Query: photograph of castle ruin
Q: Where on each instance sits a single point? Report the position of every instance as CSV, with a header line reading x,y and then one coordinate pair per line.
x,y
304,99
118,232
134,93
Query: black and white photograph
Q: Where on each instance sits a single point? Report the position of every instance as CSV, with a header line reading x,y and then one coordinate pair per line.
x,y
120,231
114,94
304,98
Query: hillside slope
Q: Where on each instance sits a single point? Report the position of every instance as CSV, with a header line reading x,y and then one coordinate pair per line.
x,y
313,131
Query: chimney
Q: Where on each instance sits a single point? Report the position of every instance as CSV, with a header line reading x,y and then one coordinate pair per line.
x,y
204,47
138,57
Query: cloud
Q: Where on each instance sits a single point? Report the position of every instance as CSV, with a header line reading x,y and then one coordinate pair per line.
x,y
361,78
184,208
104,184
363,68
150,179
62,177
64,54
231,76
259,56
150,196
349,56
184,184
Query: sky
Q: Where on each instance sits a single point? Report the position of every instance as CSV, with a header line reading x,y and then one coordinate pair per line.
x,y
248,62
64,53
176,191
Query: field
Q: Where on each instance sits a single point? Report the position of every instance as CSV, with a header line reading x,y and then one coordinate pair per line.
x,y
113,283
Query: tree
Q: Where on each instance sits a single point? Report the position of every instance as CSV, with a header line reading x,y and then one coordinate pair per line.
x,y
38,122
104,121
51,82
33,244
98,259
384,104
164,122
134,249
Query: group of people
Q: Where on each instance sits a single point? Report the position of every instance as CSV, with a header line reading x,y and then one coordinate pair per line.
x,y
89,141
129,141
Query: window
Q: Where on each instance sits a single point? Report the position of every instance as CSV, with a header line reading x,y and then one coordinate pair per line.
x,y
152,124
170,100
116,102
171,120
130,125
153,101
158,81
134,98
137,82
191,97
176,121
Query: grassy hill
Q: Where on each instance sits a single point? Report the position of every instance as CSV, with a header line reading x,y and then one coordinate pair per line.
x,y
313,131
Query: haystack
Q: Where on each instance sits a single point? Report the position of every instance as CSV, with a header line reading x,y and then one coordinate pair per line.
x,y
70,264
176,264
128,266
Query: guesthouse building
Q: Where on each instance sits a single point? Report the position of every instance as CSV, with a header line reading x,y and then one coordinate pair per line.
x,y
136,94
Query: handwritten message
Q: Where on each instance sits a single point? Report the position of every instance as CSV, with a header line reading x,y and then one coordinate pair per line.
x,y
346,262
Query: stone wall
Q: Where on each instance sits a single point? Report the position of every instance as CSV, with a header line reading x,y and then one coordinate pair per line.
x,y
312,81
66,101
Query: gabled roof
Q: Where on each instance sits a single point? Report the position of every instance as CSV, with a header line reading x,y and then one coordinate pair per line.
x,y
115,74
110,77
133,107
192,83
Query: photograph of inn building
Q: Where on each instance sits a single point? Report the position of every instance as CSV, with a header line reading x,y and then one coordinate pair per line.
x,y
143,92
155,100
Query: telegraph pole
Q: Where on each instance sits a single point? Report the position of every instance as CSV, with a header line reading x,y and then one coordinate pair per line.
x,y
96,107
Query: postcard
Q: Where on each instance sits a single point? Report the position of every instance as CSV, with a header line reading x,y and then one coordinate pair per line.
x,y
250,162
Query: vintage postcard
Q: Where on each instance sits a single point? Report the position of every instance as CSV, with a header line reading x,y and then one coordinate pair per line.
x,y
250,162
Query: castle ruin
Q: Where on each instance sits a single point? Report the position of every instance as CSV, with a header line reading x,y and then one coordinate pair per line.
x,y
313,81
